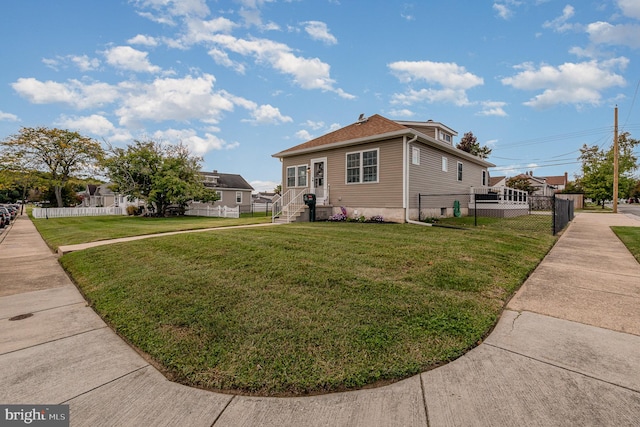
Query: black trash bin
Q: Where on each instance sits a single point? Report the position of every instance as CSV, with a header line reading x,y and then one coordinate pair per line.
x,y
310,200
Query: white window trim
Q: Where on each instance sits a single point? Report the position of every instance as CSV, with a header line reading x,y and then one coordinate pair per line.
x,y
296,176
484,178
346,156
415,156
238,193
445,164
459,172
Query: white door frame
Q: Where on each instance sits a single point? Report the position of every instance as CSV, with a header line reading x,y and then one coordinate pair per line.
x,y
312,185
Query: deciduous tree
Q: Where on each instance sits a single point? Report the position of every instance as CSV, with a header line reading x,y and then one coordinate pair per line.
x,y
470,144
597,169
161,174
61,153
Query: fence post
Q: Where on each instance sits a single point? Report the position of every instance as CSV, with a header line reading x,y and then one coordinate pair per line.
x,y
553,215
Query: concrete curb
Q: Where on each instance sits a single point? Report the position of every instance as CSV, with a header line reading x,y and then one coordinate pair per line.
x,y
563,353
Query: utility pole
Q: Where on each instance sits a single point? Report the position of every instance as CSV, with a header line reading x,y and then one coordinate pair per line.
x,y
615,161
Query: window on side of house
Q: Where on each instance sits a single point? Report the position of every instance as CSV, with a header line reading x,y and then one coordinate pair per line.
x,y
302,176
297,176
238,196
219,194
362,167
484,178
415,155
445,166
291,176
459,171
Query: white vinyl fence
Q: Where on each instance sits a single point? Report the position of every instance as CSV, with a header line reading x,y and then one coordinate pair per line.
x,y
83,211
196,209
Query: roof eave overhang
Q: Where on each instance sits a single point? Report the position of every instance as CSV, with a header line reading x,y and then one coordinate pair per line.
x,y
380,137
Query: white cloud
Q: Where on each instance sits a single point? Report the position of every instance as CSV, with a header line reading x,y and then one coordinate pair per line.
x,y
402,113
8,117
492,108
143,40
308,73
174,99
165,9
222,58
197,145
84,63
452,79
199,31
503,11
630,8
267,114
97,125
319,31
624,34
314,125
94,124
264,186
560,24
304,135
446,74
570,83
75,93
128,58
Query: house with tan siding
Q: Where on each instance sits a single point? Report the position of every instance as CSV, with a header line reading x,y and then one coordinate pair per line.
x,y
378,166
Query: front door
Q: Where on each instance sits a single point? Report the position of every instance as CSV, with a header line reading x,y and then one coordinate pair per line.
x,y
319,184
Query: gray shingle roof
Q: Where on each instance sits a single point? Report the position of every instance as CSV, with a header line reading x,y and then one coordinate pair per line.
x,y
227,181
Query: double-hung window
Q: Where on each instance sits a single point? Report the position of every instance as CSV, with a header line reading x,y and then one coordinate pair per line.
x,y
362,166
238,196
297,176
459,171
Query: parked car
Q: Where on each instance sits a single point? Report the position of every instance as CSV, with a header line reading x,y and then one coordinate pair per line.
x,y
6,216
12,211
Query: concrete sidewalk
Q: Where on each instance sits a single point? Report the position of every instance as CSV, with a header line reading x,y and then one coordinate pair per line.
x,y
566,352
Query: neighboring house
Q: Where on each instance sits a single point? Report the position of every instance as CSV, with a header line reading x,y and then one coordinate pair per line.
x,y
232,189
99,196
378,166
545,185
498,181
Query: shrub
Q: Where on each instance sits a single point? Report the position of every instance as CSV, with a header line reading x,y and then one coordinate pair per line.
x,y
131,210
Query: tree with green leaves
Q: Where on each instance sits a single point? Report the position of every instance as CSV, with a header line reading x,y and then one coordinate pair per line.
x,y
161,174
597,169
520,182
61,153
470,144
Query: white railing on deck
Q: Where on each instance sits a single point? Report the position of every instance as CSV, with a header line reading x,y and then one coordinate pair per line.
x,y
499,196
212,211
81,211
288,205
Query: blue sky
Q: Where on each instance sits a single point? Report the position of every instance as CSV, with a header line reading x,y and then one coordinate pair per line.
x,y
240,80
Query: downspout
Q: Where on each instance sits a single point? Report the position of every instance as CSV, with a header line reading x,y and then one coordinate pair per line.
x,y
405,177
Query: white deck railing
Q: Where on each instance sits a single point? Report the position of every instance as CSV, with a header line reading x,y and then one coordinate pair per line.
x,y
288,205
498,196
80,211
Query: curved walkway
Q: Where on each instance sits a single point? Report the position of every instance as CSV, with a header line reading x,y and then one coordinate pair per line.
x,y
566,352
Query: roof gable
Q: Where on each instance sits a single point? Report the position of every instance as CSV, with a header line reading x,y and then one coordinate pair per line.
x,y
374,125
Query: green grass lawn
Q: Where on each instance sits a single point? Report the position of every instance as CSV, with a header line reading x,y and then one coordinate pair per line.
x,y
309,307
71,231
630,236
